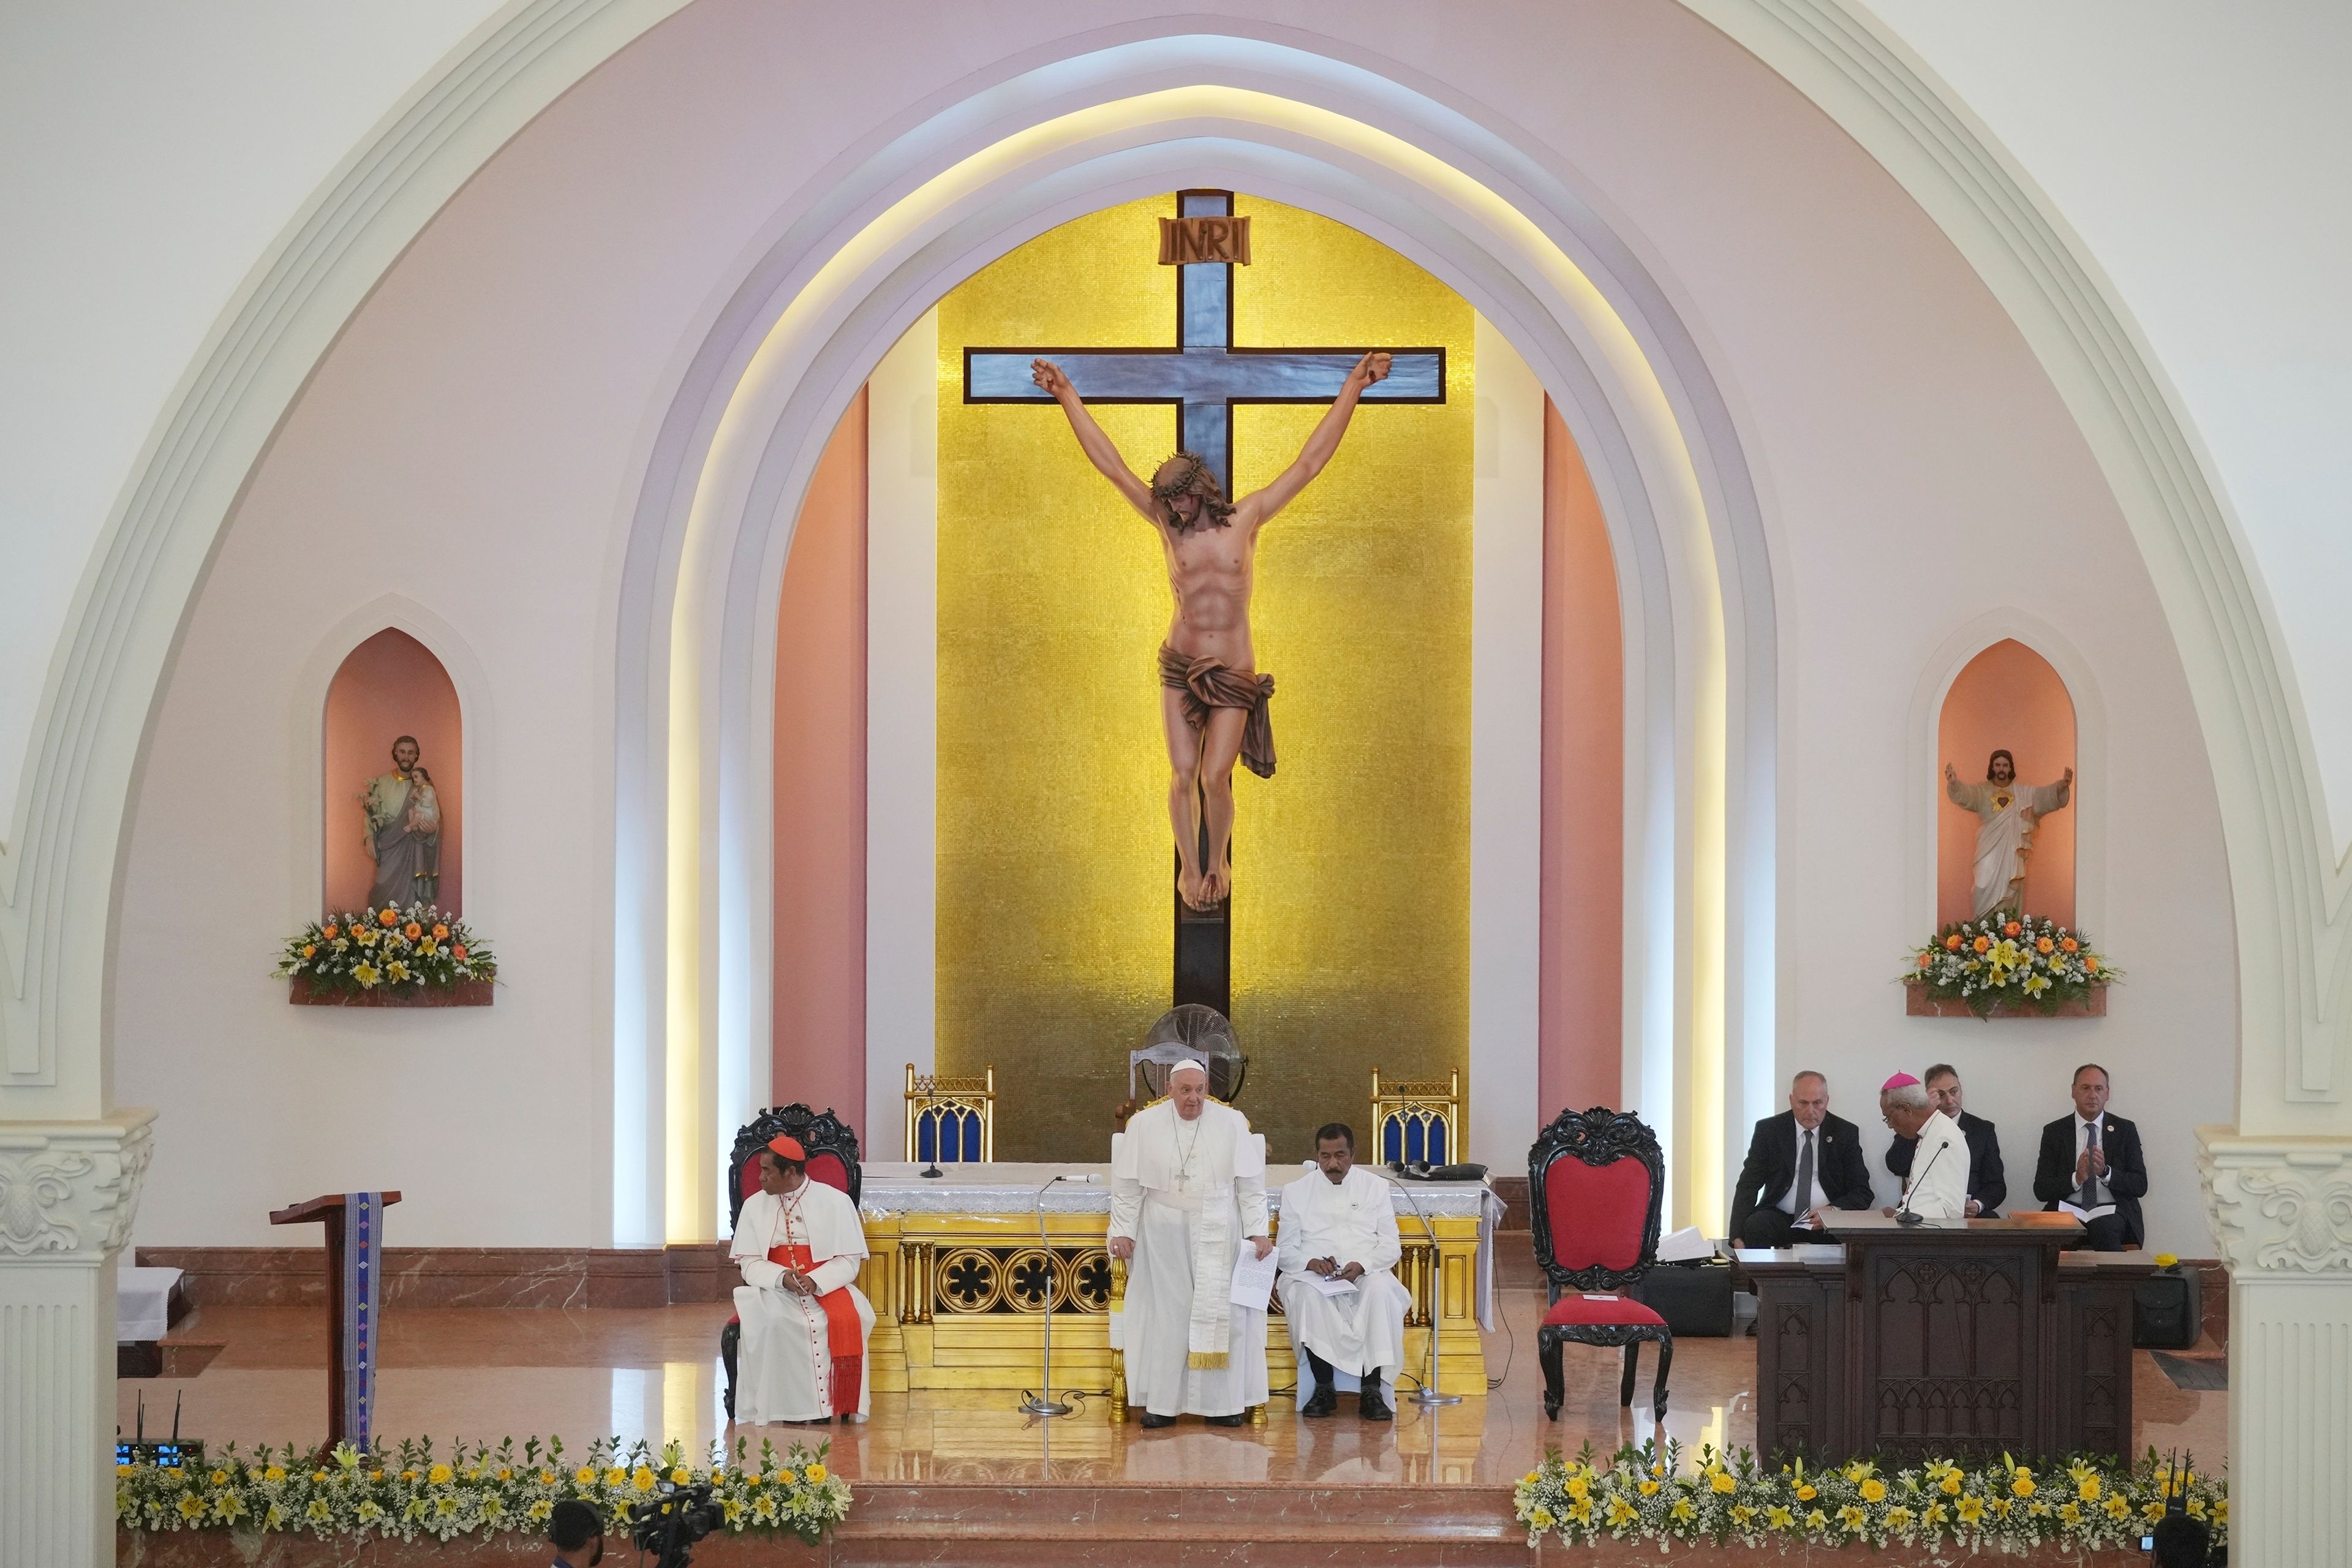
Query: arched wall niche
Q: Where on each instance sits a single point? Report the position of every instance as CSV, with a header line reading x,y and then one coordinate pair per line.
x,y
2008,698
388,687
744,434
1957,704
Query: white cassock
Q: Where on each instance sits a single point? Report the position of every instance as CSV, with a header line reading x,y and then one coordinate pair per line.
x,y
1189,1194
789,1363
1352,1221
1940,1192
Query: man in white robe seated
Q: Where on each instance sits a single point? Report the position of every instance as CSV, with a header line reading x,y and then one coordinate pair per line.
x,y
1188,1188
800,1244
1340,1226
1937,1187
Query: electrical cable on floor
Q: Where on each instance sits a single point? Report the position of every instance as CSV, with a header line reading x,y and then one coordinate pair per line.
x,y
1076,1396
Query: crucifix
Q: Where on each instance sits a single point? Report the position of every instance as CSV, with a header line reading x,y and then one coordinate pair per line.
x,y
1214,698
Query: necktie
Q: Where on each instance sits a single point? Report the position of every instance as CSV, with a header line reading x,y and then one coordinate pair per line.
x,y
1805,1176
2091,1183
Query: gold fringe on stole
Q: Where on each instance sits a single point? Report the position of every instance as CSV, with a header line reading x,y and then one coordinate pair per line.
x,y
1208,1361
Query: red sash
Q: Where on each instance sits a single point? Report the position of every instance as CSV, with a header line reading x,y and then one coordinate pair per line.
x,y
845,1335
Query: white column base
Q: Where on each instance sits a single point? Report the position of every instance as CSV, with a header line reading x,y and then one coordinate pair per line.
x,y
2282,1211
67,1192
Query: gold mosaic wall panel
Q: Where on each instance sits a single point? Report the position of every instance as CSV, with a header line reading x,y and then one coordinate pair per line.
x,y
1352,865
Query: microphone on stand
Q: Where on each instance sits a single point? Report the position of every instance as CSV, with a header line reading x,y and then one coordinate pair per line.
x,y
1427,1394
1903,1214
1042,1402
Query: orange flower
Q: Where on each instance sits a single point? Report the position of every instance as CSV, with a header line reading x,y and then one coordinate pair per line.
x,y
2011,928
440,931
1984,944
1953,942
2091,964
2070,945
331,933
1923,960
387,918
310,949
413,931
2045,945
459,952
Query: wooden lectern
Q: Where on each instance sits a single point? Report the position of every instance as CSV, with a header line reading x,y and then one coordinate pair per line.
x,y
328,1212
1951,1337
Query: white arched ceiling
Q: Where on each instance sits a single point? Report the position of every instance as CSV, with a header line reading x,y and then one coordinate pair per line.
x,y
987,173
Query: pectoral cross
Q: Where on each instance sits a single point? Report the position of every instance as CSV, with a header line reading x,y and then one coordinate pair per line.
x,y
1202,377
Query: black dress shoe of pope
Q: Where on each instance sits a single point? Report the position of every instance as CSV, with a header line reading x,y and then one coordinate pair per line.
x,y
1370,1404
1152,1420
1237,1420
1324,1401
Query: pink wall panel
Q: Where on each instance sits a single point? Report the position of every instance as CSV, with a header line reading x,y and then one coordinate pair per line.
x,y
389,686
1580,994
2007,697
819,1039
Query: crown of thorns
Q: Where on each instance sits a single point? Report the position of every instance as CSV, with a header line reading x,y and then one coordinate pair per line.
x,y
1194,468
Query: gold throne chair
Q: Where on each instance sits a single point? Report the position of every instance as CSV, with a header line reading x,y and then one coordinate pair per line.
x,y
950,1120
1417,1122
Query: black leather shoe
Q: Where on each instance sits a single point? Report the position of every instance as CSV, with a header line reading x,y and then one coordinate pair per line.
x,y
1153,1421
1238,1419
1370,1405
1324,1401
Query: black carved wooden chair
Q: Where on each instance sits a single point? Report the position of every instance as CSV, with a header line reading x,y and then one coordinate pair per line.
x,y
832,1159
1595,1180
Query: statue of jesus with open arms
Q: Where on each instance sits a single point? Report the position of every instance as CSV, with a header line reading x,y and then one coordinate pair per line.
x,y
1212,698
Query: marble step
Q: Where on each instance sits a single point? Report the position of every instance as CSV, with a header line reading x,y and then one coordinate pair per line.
x,y
1340,1525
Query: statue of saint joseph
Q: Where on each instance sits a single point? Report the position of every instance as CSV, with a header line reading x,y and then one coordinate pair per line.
x,y
1212,698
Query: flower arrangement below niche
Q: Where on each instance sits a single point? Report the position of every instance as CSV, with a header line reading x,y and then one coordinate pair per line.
x,y
2011,964
415,957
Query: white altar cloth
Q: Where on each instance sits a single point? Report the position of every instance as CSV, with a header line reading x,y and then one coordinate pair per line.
x,y
142,1304
1010,1186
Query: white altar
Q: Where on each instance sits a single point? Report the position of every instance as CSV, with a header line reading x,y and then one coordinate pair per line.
x,y
960,1280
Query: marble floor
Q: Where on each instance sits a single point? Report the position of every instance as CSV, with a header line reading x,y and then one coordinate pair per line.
x,y
464,1373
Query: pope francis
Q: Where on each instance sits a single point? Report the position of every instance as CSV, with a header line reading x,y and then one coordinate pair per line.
x,y
1188,1188
799,1245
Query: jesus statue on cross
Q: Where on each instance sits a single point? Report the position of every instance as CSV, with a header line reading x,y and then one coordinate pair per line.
x,y
1212,698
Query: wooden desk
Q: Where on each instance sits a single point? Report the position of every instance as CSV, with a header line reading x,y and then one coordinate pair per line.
x,y
1951,1337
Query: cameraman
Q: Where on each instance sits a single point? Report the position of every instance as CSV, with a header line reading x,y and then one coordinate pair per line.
x,y
576,1531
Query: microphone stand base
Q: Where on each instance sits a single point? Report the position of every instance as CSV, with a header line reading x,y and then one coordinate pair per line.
x,y
1041,1405
1426,1396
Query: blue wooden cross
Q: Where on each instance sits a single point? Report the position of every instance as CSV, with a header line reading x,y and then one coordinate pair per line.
x,y
1207,374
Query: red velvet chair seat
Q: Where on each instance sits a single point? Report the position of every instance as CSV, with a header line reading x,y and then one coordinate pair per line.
x,y
1583,1312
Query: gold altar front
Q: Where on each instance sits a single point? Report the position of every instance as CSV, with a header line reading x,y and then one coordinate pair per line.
x,y
959,1299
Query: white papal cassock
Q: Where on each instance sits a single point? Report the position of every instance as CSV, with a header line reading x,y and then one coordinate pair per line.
x,y
1940,1190
1350,1221
1188,1194
790,1365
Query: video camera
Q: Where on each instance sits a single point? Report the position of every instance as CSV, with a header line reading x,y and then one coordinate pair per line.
x,y
670,1521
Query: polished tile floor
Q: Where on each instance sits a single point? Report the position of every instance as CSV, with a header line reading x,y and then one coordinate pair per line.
x,y
467,1372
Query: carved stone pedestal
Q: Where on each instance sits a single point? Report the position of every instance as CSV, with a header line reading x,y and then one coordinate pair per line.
x,y
68,1191
2282,1211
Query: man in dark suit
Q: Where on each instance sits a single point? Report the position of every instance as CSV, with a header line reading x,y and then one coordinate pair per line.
x,y
1798,1162
2092,1160
1987,1186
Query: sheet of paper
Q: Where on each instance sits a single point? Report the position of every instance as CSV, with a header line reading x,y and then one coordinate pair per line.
x,y
1332,1285
2100,1212
1253,1277
1683,1244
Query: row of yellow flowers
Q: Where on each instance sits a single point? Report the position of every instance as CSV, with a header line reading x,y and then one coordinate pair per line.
x,y
1645,1494
408,1491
